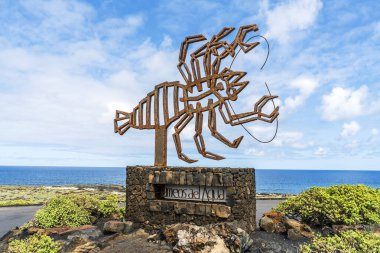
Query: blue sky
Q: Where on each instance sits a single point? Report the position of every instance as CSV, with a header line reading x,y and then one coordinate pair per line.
x,y
65,66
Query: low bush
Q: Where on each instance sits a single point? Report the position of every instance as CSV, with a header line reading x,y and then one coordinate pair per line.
x,y
88,202
347,242
62,211
111,206
16,202
37,243
341,204
74,210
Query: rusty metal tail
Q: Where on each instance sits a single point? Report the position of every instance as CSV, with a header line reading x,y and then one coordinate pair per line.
x,y
124,119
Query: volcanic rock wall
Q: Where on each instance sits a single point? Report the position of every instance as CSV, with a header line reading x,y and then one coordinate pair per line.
x,y
158,196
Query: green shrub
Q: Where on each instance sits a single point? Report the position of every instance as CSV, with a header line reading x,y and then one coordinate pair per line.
x,y
16,202
74,210
37,243
110,206
347,242
342,204
88,202
62,211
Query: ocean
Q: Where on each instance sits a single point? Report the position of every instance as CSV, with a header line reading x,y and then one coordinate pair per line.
x,y
267,181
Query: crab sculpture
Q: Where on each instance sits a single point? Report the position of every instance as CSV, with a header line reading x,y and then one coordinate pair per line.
x,y
205,92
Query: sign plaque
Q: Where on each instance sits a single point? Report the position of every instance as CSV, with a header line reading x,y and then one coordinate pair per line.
x,y
195,193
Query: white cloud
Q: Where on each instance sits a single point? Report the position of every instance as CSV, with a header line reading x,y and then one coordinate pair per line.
x,y
344,103
306,86
291,139
376,34
63,95
374,135
291,16
350,129
320,151
351,145
119,27
254,152
261,132
166,42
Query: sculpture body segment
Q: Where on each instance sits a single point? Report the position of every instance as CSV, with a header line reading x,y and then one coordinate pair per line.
x,y
171,102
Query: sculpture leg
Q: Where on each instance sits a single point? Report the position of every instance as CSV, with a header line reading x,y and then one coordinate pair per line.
x,y
177,140
198,138
219,136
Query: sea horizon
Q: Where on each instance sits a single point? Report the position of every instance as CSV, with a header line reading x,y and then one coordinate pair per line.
x,y
113,167
279,181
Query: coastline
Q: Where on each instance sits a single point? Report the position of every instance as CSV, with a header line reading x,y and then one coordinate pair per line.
x,y
267,181
13,196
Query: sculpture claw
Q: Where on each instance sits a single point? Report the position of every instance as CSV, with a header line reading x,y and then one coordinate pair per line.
x,y
212,156
185,158
237,142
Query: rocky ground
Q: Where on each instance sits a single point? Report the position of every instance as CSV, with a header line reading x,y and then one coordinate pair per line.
x,y
277,233
116,236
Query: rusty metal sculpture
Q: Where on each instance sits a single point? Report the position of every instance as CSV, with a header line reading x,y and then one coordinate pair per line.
x,y
210,82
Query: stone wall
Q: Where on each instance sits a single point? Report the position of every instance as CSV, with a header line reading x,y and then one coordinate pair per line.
x,y
147,207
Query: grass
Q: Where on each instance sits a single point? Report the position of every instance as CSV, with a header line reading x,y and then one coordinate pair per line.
x,y
38,195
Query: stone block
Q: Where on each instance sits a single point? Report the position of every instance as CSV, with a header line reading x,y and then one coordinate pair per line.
x,y
162,179
190,207
155,206
182,178
167,206
151,178
151,195
169,177
200,209
180,208
231,191
114,226
189,178
221,211
209,177
202,179
156,179
196,178
128,227
149,187
207,209
217,179
176,177
228,180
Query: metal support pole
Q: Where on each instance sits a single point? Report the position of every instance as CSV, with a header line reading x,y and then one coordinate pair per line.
x,y
160,154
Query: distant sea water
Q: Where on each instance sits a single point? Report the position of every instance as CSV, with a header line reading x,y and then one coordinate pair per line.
x,y
267,181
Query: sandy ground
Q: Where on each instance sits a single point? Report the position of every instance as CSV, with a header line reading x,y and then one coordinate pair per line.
x,y
11,217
